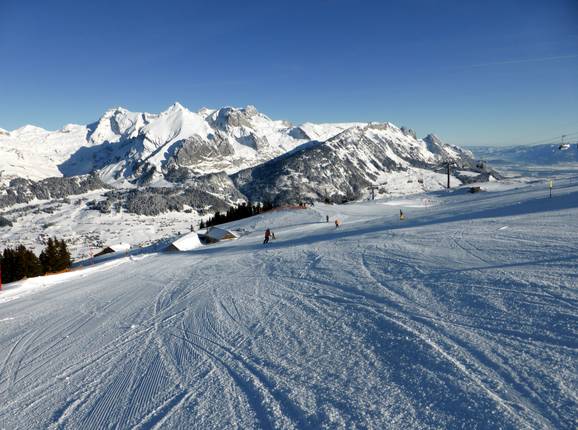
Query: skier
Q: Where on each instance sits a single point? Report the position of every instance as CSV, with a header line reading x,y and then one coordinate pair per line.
x,y
273,235
326,218
336,223
267,236
401,215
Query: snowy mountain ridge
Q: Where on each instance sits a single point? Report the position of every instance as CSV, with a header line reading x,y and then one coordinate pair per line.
x,y
125,147
194,164
363,155
129,146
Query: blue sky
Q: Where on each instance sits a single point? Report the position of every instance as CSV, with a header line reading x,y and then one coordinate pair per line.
x,y
473,72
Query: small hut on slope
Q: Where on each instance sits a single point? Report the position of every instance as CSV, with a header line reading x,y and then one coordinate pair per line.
x,y
185,243
119,247
217,234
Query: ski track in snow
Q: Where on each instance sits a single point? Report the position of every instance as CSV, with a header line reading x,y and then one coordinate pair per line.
x,y
443,321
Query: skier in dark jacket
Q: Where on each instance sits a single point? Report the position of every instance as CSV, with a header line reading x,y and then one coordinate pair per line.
x,y
267,236
326,218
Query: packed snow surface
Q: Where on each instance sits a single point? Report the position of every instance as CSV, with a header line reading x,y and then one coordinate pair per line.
x,y
462,316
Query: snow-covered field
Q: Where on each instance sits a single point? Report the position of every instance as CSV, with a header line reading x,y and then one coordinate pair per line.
x,y
462,316
88,231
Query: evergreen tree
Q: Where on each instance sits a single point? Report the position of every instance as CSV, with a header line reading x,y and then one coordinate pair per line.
x,y
49,257
63,260
8,265
55,257
267,206
19,263
27,263
34,265
244,210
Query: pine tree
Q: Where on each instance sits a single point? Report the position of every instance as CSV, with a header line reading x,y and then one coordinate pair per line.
x,y
27,263
8,265
55,257
234,213
49,257
34,266
19,263
19,270
63,260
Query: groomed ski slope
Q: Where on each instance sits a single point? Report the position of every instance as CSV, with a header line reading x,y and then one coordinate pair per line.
x,y
462,316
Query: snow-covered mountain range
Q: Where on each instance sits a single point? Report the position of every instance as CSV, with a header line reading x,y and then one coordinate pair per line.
x,y
188,165
140,177
127,148
351,161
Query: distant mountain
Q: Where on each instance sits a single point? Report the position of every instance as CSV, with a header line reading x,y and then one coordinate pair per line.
x,y
125,146
232,153
537,154
34,153
342,167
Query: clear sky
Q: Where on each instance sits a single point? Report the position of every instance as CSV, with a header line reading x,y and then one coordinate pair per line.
x,y
474,72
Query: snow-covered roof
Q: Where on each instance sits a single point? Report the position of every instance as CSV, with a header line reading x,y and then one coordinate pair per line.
x,y
119,247
187,242
218,233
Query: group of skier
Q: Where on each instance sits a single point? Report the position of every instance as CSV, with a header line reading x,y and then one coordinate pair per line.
x,y
337,222
270,235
